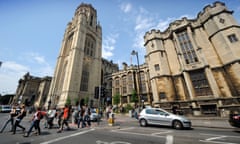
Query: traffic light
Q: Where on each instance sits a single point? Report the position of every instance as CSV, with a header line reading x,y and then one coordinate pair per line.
x,y
96,94
103,91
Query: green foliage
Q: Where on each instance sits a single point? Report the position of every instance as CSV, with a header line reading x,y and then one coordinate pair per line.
x,y
134,97
68,101
76,101
86,100
116,99
128,107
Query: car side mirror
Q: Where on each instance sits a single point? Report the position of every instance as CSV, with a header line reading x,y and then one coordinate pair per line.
x,y
166,114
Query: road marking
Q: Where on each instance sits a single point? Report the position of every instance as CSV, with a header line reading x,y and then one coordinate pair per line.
x,y
65,137
216,138
169,139
216,142
220,135
115,142
126,132
164,132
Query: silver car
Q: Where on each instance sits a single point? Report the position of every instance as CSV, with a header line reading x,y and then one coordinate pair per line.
x,y
158,116
94,116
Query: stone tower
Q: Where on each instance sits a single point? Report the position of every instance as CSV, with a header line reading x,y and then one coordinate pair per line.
x,y
78,68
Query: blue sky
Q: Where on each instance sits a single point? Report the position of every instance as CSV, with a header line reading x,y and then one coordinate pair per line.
x,y
31,31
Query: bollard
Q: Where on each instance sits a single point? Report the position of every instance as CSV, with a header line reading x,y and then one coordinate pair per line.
x,y
111,119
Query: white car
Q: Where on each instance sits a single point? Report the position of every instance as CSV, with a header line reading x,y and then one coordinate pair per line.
x,y
5,108
158,116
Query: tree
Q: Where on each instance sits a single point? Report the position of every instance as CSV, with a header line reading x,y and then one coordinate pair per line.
x,y
116,98
68,101
134,97
86,100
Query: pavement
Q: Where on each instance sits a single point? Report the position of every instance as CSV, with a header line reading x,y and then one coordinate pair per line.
x,y
209,122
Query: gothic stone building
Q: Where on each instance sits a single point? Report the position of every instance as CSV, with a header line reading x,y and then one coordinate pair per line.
x,y
32,90
195,63
132,79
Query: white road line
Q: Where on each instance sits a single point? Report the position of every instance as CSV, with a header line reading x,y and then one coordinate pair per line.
x,y
219,135
216,138
126,132
164,132
216,142
68,136
169,139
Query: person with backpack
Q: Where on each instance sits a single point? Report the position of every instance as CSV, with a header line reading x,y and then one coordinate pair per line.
x,y
35,122
19,118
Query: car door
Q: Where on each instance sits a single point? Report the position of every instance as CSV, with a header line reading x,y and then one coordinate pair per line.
x,y
152,116
163,118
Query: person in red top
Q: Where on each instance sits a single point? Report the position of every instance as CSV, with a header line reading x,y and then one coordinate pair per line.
x,y
35,122
65,118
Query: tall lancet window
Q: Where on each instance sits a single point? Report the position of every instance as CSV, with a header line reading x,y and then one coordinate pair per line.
x,y
187,48
91,20
90,46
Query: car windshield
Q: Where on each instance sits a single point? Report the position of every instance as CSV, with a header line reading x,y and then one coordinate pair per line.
x,y
159,112
155,112
93,111
6,107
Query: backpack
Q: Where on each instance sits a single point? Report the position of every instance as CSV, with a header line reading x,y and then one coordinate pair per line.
x,y
40,115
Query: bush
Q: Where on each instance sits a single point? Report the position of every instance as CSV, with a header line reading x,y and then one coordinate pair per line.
x,y
128,107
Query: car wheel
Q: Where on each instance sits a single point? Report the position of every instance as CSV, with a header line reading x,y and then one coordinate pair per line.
x,y
143,122
177,125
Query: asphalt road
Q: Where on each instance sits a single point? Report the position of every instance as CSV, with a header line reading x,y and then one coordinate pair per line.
x,y
124,132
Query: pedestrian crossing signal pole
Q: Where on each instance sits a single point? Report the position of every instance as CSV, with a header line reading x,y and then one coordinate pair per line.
x,y
99,102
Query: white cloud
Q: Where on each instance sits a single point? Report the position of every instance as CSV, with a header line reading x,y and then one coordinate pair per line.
x,y
163,24
11,66
35,57
40,64
109,45
10,73
126,7
145,21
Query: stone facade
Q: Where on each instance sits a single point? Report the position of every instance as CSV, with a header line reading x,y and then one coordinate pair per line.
x,y
194,64
127,81
108,67
32,90
78,68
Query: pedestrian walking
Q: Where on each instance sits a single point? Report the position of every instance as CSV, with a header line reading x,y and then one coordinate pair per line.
x,y
87,114
19,118
59,117
51,114
65,117
10,119
81,118
35,122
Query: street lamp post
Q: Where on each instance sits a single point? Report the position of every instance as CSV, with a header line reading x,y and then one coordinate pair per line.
x,y
140,97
